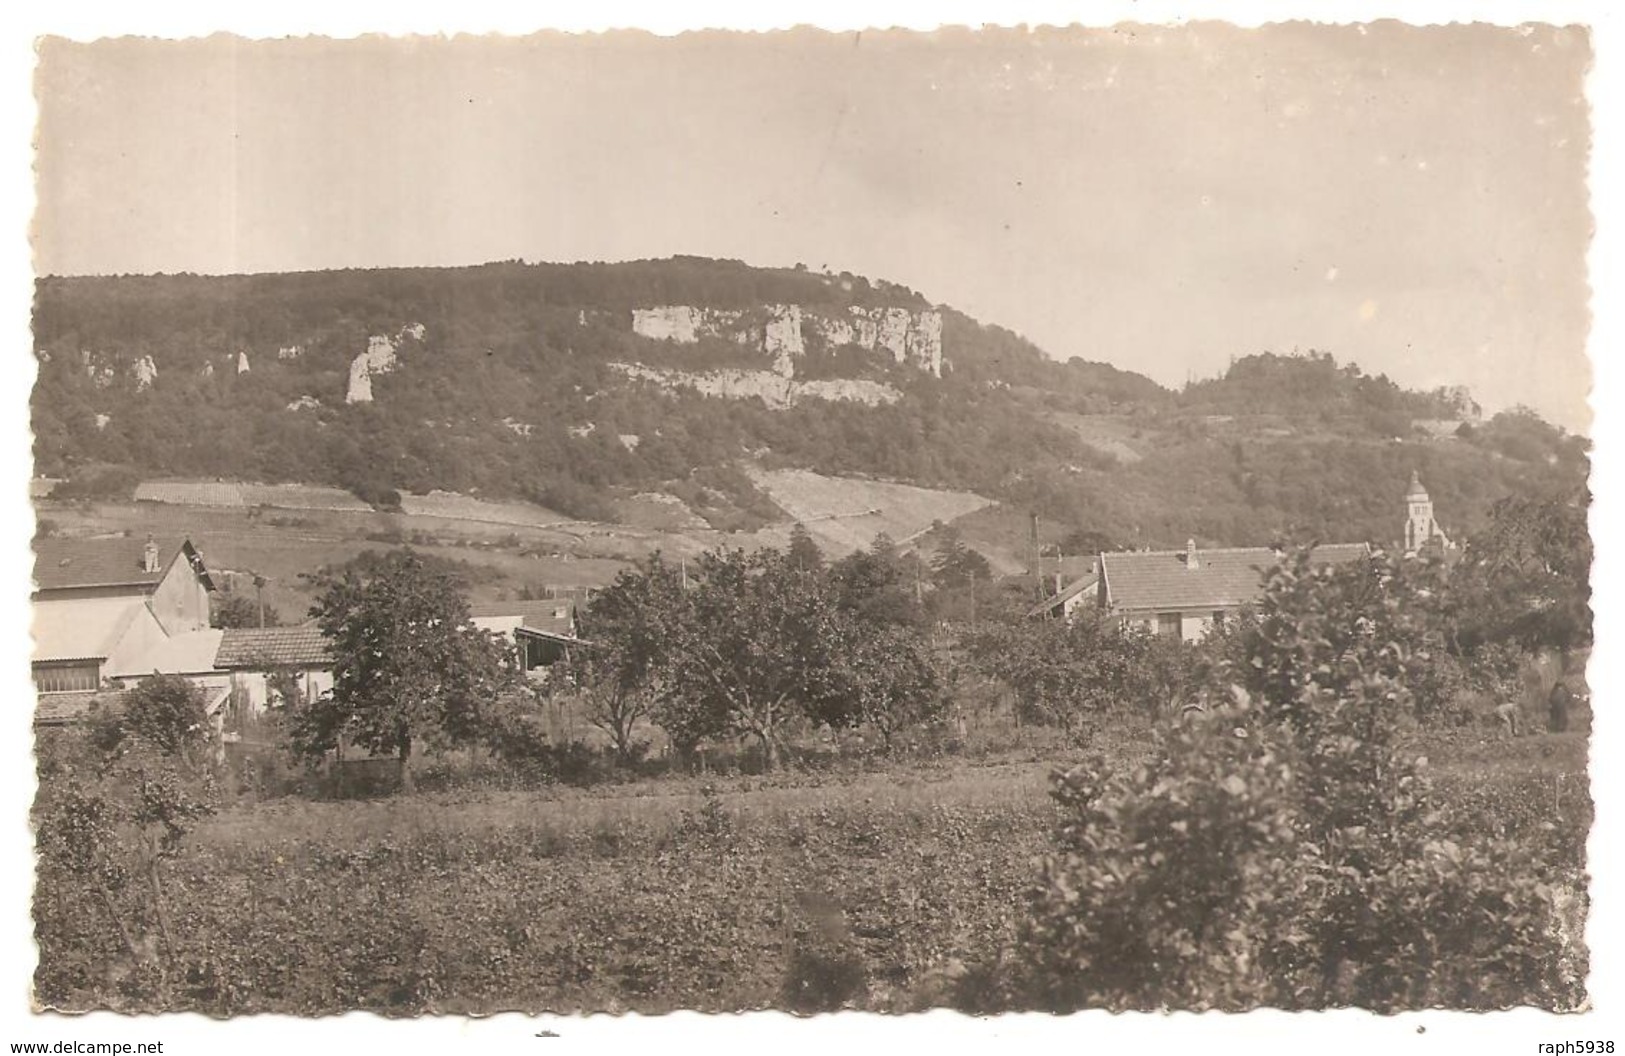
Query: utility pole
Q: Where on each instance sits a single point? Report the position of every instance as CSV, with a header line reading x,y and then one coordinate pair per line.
x,y
259,596
1034,563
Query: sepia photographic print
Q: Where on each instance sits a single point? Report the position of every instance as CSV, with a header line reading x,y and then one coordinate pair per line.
x,y
959,519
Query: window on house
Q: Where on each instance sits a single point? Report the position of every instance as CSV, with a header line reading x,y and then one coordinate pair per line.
x,y
67,678
1168,624
1218,619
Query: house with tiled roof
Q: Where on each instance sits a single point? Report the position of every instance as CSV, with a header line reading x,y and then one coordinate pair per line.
x,y
118,609
259,660
1184,593
543,631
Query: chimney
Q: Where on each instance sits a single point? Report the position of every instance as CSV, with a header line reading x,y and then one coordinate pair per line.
x,y
1190,554
149,556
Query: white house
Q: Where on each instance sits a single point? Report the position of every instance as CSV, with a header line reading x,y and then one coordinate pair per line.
x,y
113,610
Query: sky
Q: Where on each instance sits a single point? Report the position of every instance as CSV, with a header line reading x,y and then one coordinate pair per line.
x,y
1165,199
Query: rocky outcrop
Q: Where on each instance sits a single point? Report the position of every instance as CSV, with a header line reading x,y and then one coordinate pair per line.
x,y
145,372
208,368
909,337
914,338
290,352
305,403
781,338
101,373
379,358
674,322
102,420
773,389
242,362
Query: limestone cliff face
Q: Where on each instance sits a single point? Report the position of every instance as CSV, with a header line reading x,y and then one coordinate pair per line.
x,y
99,367
780,331
146,372
914,338
781,338
772,388
379,358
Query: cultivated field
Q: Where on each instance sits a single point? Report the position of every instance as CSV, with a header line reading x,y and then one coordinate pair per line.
x,y
845,513
283,544
885,887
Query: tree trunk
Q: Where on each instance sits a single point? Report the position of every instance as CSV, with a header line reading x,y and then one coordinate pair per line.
x,y
406,765
770,750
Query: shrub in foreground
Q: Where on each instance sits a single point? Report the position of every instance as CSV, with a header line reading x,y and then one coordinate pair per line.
x,y
1285,851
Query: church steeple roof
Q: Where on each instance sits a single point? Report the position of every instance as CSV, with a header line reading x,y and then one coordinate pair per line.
x,y
1416,490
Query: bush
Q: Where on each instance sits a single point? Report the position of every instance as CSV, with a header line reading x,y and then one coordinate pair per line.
x,y
167,710
1285,851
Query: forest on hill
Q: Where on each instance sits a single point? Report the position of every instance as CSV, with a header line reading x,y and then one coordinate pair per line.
x,y
508,384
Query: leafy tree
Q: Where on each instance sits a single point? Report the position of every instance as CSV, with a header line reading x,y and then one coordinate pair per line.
x,y
879,585
1526,577
409,669
804,552
631,625
756,645
890,678
956,565
1066,674
1086,541
229,608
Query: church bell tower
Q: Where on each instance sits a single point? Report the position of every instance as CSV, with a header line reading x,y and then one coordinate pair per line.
x,y
1420,527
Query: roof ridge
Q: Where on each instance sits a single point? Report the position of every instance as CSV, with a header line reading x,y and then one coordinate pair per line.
x,y
1181,551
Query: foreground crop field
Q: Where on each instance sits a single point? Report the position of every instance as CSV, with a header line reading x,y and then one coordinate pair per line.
x,y
886,890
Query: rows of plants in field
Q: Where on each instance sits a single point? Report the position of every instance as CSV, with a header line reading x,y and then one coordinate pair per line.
x,y
809,909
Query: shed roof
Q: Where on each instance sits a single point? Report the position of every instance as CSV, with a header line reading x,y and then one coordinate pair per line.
x,y
262,647
1071,591
62,563
1160,580
554,617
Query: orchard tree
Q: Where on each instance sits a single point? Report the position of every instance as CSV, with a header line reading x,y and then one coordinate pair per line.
x,y
631,625
1066,673
890,679
756,645
409,669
